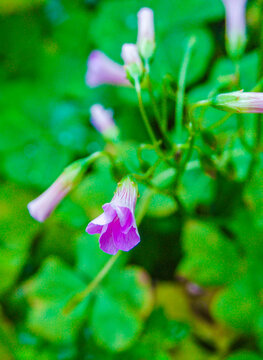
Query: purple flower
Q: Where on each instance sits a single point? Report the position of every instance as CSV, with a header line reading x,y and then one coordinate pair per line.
x,y
145,39
117,226
42,206
240,102
102,120
235,26
102,70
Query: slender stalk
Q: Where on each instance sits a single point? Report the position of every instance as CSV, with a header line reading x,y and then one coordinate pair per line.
x,y
164,107
157,114
81,296
221,121
258,127
181,89
189,152
145,119
154,104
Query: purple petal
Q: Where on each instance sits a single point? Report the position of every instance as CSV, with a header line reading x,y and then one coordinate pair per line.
x,y
96,225
106,241
125,216
124,241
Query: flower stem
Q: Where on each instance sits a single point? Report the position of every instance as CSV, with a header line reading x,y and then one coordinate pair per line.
x,y
164,107
79,297
181,89
145,118
157,113
260,74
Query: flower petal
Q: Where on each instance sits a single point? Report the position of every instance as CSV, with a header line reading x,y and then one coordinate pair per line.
x,y
106,241
126,242
96,225
125,216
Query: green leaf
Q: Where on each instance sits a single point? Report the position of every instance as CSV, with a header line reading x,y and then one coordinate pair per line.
x,y
114,326
90,258
15,239
11,6
47,293
161,206
210,258
254,197
136,292
197,188
244,355
238,306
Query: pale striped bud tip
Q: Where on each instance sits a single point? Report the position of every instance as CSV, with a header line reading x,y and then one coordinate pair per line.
x,y
239,102
146,36
103,122
132,61
41,208
235,26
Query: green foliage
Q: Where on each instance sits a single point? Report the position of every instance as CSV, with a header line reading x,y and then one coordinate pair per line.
x,y
192,289
210,258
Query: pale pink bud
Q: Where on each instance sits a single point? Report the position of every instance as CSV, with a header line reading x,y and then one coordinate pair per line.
x,y
132,61
235,26
102,70
145,39
130,54
102,120
240,102
42,206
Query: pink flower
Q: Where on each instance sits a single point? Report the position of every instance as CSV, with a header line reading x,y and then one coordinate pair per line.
x,y
145,39
235,26
117,226
102,70
102,120
240,102
42,206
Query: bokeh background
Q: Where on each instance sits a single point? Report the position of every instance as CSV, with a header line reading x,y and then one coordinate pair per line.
x,y
193,288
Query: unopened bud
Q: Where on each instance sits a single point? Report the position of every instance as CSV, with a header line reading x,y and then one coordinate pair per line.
x,y
102,120
132,62
42,207
235,26
239,102
145,39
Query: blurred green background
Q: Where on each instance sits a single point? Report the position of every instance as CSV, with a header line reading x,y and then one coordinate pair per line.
x,y
193,288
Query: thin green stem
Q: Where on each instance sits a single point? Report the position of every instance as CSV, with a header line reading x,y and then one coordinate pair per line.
x,y
181,89
154,104
145,119
220,122
81,296
189,152
164,107
258,127
157,114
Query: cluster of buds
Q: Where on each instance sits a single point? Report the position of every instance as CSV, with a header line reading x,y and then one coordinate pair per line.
x,y
136,57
